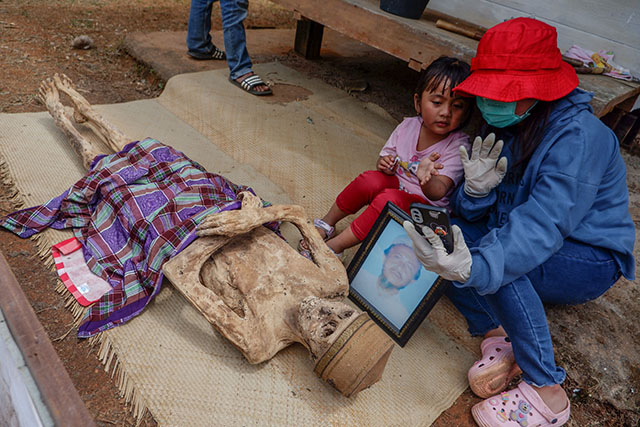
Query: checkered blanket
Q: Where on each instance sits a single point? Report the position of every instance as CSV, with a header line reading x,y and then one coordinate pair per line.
x,y
131,212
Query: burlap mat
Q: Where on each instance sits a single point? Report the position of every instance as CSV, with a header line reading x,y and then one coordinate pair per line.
x,y
169,360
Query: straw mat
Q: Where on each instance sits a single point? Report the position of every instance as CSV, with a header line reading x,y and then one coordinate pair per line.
x,y
169,359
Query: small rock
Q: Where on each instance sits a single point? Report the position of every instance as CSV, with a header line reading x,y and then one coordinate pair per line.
x,y
82,42
356,86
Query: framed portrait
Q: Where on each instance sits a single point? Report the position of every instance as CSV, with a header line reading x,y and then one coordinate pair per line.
x,y
387,280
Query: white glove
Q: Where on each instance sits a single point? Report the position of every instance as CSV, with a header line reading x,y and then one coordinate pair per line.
x,y
483,171
432,254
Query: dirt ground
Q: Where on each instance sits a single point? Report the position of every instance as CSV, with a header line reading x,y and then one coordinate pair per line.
x,y
596,343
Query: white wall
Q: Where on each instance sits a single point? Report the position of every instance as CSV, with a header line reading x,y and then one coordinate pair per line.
x,y
593,25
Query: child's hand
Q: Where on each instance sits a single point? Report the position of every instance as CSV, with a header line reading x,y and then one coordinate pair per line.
x,y
428,167
386,164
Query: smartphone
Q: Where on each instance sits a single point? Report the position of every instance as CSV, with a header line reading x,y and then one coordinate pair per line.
x,y
436,218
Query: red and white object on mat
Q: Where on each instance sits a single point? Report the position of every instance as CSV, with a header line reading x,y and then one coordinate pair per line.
x,y
85,286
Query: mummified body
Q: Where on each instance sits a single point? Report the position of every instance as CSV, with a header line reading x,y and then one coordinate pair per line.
x,y
258,291
248,282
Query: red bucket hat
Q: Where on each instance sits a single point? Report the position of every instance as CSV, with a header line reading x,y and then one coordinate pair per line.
x,y
519,59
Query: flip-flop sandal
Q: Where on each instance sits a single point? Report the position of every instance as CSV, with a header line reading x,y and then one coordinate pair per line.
x,y
214,54
250,83
496,369
521,405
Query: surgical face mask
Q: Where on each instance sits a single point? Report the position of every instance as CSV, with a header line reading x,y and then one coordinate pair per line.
x,y
500,114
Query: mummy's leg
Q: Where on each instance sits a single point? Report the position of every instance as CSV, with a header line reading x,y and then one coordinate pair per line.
x,y
110,134
49,96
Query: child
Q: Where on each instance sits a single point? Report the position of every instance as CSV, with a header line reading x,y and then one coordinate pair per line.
x,y
419,163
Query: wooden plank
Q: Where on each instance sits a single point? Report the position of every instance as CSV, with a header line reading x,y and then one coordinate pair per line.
x,y
608,92
308,38
412,40
55,386
420,41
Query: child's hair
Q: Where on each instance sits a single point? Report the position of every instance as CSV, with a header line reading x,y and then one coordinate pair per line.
x,y
444,69
451,71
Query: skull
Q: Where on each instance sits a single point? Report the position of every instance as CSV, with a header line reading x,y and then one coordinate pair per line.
x,y
321,321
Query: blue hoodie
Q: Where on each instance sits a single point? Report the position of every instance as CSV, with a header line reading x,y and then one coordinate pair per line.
x,y
573,186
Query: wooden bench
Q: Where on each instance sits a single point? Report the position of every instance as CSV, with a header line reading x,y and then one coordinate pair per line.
x,y
420,41
54,385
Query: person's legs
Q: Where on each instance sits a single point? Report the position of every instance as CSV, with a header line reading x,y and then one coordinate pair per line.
x,y
199,27
360,227
359,193
475,309
355,195
331,218
234,13
520,311
344,240
575,274
492,372
363,190
363,223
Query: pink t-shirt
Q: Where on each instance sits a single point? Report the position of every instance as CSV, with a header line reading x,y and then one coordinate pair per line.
x,y
403,143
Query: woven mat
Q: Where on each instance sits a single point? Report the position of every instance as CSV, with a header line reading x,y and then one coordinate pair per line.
x,y
169,359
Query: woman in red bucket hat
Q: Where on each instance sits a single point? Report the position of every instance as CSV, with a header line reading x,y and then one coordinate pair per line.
x,y
542,218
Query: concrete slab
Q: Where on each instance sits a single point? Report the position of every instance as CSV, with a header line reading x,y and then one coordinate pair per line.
x,y
368,74
166,52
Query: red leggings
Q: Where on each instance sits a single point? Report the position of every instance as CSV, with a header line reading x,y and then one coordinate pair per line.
x,y
373,188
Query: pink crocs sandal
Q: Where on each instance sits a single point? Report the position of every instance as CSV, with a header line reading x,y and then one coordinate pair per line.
x,y
492,373
521,406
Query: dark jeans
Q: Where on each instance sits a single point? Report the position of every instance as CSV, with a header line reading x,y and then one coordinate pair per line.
x,y
235,42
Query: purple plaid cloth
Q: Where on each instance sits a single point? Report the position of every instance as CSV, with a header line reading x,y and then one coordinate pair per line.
x,y
132,211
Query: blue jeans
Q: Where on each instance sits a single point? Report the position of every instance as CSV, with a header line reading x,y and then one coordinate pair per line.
x,y
235,42
577,273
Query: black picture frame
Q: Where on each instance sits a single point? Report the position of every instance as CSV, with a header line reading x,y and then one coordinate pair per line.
x,y
398,310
